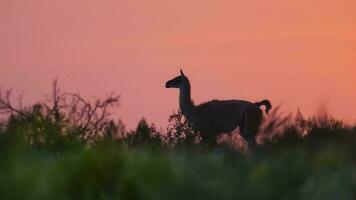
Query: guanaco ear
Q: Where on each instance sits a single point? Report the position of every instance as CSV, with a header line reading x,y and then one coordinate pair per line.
x,y
181,72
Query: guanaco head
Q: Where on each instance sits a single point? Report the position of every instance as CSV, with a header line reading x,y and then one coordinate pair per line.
x,y
178,82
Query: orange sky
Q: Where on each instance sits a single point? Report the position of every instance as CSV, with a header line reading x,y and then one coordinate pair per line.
x,y
301,53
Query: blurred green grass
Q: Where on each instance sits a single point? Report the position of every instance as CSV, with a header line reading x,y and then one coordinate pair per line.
x,y
112,172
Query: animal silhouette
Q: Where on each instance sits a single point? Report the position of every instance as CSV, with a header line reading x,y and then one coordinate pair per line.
x,y
219,116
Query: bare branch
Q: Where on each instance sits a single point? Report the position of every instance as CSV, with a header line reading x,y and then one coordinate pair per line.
x,y
86,118
6,106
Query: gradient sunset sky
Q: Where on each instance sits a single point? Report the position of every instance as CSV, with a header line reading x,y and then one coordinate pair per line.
x,y
301,53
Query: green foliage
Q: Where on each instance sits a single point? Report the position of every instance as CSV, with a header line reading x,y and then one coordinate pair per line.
x,y
112,172
48,151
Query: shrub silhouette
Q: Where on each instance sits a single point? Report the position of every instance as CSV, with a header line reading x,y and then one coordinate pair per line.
x,y
180,132
143,136
68,119
65,118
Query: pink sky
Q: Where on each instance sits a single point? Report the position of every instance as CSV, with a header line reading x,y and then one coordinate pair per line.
x,y
301,53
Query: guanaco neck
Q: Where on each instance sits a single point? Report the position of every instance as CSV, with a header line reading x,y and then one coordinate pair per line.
x,y
186,104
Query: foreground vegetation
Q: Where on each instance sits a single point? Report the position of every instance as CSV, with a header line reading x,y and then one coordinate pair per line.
x,y
70,148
